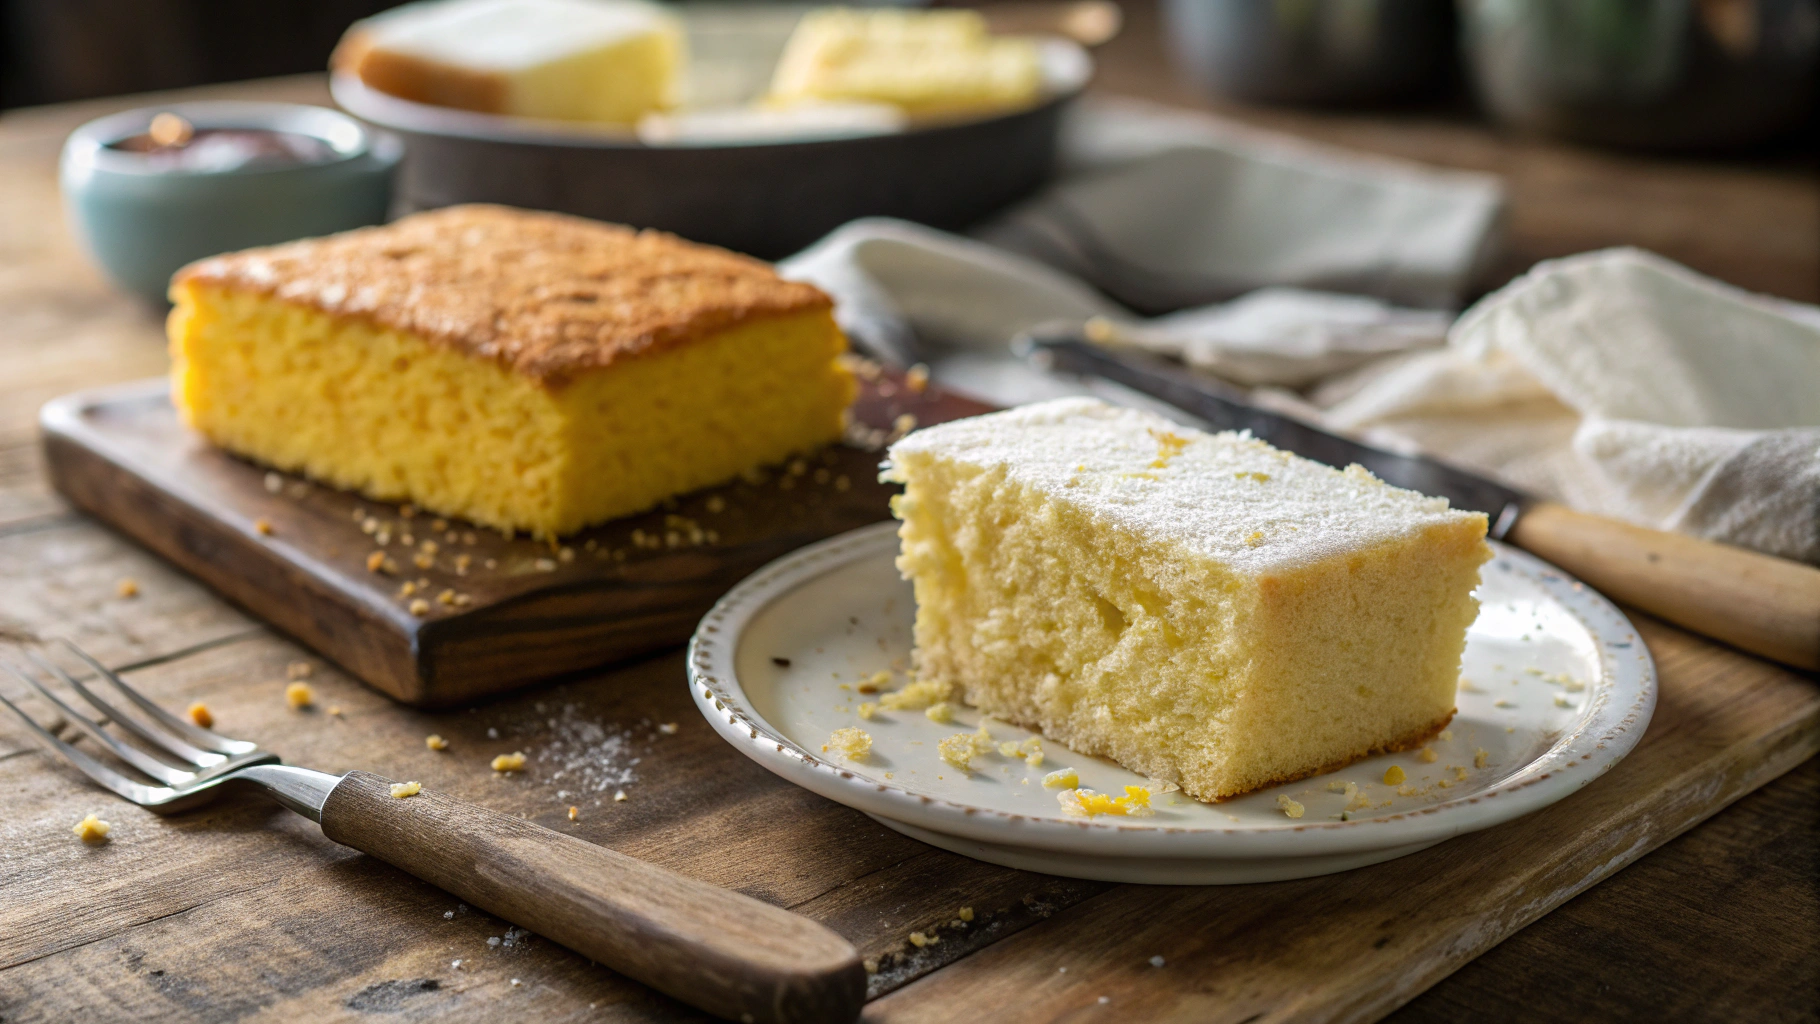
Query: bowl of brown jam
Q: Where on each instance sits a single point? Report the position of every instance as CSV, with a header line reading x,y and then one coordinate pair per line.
x,y
153,189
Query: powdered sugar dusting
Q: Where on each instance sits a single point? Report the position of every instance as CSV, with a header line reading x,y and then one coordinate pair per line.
x,y
587,757
1226,496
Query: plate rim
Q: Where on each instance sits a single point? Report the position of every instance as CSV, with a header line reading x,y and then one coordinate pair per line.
x,y
1609,727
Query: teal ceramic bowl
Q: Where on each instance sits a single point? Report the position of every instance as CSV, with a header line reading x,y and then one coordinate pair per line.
x,y
141,223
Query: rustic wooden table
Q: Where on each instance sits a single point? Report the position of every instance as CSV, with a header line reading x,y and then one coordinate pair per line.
x,y
243,911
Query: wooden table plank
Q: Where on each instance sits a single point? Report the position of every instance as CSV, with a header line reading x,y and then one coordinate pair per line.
x,y
694,804
1742,889
62,577
1354,946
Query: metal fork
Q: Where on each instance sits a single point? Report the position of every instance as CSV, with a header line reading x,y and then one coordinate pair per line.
x,y
713,948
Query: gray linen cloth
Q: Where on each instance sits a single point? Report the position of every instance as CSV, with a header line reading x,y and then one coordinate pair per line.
x,y
1326,281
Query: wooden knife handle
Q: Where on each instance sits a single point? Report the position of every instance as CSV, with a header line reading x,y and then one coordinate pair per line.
x,y
1763,604
717,950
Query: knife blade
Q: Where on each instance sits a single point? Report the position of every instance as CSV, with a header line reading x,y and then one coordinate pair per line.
x,y
1766,605
1226,408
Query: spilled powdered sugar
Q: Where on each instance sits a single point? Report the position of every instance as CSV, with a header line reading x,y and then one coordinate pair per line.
x,y
587,758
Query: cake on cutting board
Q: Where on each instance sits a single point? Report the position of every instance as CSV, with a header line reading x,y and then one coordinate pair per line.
x,y
1202,608
608,61
519,370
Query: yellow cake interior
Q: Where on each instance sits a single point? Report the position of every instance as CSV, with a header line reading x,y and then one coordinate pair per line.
x,y
927,63
608,61
388,414
1077,604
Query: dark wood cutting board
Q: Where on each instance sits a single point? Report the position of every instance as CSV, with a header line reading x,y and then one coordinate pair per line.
x,y
296,554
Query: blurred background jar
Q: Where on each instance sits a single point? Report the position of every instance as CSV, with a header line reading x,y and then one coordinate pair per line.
x,y
1329,52
1661,74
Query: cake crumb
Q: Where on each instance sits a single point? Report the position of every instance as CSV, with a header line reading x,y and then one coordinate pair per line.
x,y
961,748
574,813
853,744
867,709
200,714
940,711
1428,755
1062,777
917,378
1394,775
127,587
1481,757
966,914
263,526
419,607
1086,802
667,728
870,964
620,797
919,694
447,597
513,762
435,742
1290,807
919,940
92,829
299,695
273,483
376,561
334,711
406,789
1446,736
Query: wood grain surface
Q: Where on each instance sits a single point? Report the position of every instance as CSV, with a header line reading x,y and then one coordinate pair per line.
x,y
712,948
245,912
295,555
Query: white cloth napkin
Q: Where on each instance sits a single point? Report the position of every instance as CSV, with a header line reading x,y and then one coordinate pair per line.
x,y
1617,381
1623,384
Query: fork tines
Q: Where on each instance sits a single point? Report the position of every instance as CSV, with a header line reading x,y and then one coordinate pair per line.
x,y
197,752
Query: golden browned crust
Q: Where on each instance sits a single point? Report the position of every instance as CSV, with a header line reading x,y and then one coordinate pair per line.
x,y
420,79
546,295
1414,739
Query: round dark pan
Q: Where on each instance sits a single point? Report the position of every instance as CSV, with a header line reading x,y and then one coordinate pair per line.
x,y
768,199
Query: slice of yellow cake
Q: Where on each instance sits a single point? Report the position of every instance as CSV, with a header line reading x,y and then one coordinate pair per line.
x,y
1202,608
515,369
927,63
609,61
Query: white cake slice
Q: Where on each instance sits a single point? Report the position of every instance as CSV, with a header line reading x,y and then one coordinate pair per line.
x,y
609,61
1202,608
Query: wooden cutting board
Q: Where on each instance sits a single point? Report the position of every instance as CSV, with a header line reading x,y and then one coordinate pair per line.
x,y
501,611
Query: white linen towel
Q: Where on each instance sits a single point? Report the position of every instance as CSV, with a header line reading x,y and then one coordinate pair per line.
x,y
1617,381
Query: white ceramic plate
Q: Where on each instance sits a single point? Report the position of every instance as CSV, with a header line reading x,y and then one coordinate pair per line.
x,y
1555,689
